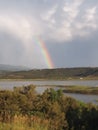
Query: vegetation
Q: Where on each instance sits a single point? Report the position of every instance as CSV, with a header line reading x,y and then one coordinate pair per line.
x,y
80,89
24,109
59,73
21,123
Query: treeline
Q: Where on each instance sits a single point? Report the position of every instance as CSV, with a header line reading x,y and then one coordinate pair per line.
x,y
59,73
54,109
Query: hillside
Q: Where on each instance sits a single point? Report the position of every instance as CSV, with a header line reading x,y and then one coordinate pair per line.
x,y
58,73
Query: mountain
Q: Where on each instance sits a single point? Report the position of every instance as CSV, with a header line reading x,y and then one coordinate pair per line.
x,y
4,67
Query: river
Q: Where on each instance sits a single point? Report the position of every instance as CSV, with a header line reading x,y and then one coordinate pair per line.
x,y
41,85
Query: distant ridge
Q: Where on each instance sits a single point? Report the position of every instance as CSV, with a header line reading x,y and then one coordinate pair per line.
x,y
4,67
57,73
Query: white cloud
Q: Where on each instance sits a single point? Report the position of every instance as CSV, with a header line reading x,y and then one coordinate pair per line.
x,y
48,16
23,27
91,18
90,14
74,23
88,23
59,23
72,9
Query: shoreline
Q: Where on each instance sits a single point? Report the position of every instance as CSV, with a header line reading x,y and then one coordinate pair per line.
x,y
56,79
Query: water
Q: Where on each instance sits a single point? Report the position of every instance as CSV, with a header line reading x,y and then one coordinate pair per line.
x,y
11,84
42,85
84,98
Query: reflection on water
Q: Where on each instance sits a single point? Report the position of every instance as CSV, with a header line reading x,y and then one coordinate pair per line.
x,y
42,86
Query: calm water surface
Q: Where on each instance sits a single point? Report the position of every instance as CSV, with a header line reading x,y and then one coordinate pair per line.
x,y
41,87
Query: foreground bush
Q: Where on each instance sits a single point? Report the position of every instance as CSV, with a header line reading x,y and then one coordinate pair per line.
x,y
24,109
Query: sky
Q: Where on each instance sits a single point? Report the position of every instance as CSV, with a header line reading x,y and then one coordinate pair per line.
x,y
49,33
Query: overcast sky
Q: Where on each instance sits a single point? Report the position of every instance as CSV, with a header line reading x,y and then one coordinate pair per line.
x,y
69,29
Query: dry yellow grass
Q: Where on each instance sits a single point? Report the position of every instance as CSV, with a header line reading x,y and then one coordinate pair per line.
x,y
25,123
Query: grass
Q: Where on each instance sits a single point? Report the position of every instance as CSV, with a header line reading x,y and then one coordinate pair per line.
x,y
23,123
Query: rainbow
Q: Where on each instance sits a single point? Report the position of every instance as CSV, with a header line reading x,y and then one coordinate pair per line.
x,y
45,53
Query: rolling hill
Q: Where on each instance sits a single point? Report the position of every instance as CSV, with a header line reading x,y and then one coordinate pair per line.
x,y
58,73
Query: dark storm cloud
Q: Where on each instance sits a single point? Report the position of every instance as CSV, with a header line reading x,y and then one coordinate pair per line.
x,y
10,51
76,53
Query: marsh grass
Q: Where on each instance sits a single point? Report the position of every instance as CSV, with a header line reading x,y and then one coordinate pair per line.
x,y
81,89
